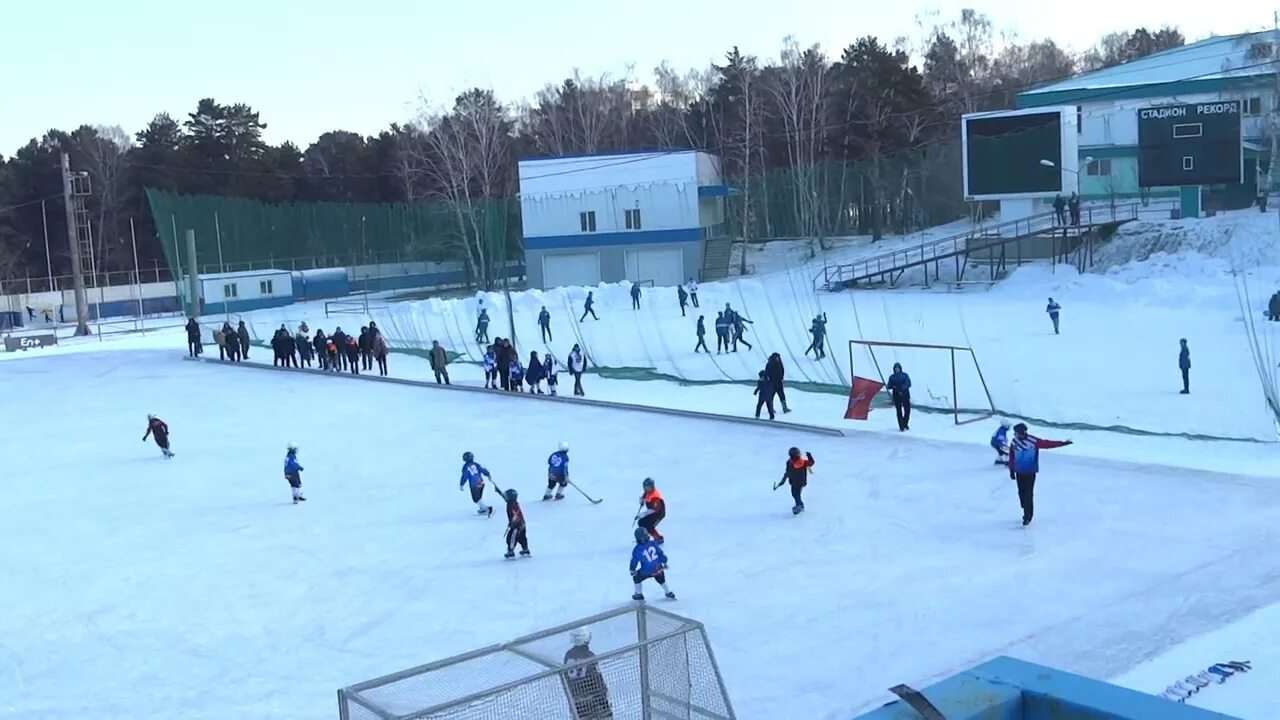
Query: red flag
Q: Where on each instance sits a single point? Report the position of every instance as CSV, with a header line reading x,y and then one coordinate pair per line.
x,y
860,397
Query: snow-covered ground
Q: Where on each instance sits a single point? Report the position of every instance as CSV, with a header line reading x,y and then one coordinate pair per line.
x,y
192,588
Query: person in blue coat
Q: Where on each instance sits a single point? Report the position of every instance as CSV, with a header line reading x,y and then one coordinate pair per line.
x,y
1024,464
899,387
557,473
293,472
491,368
1000,443
1184,364
648,561
1053,309
474,474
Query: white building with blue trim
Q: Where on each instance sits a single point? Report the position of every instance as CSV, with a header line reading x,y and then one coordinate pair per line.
x,y
1234,67
639,216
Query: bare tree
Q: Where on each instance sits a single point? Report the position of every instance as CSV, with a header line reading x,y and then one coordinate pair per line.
x,y
798,90
106,149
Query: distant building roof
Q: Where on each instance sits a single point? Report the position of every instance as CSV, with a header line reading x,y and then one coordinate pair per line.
x,y
1204,63
242,274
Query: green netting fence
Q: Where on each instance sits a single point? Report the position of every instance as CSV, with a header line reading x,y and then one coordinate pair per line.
x,y
237,234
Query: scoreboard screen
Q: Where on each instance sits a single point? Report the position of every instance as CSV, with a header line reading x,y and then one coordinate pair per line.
x,y
1197,144
1004,154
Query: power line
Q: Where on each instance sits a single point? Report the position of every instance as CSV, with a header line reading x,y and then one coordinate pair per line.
x,y
30,202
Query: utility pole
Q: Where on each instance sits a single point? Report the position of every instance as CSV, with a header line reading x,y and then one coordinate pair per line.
x,y
75,187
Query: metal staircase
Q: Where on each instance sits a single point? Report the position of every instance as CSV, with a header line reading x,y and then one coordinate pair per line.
x,y
985,245
716,254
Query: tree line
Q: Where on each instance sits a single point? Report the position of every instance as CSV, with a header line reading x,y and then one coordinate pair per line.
x,y
863,141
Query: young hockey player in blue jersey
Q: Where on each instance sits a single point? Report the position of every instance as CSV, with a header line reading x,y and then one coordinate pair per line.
x,y
491,368
474,474
1000,443
293,472
551,370
517,376
557,472
648,561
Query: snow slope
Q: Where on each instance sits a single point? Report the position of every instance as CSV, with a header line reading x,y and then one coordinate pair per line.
x,y
191,588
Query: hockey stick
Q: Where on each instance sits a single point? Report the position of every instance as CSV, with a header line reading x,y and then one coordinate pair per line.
x,y
584,494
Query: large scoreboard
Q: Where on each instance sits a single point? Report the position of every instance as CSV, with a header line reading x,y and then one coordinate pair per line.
x,y
1197,144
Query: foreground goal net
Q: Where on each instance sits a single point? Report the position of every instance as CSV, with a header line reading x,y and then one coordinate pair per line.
x,y
944,378
647,663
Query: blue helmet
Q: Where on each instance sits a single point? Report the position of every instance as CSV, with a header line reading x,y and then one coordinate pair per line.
x,y
510,495
642,535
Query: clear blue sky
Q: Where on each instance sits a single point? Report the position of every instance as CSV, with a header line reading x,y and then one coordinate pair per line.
x,y
309,67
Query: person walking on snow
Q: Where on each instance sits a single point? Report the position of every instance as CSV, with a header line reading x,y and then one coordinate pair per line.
x,y
242,333
764,395
899,387
635,296
293,472
1024,463
380,353
739,329
588,307
439,362
544,323
682,297
693,292
482,327
648,562
1053,309
160,431
653,508
194,346
577,366
1184,364
819,332
776,372
474,474
1000,443
557,473
797,473
702,335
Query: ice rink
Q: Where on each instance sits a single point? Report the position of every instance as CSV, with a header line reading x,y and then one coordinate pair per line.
x,y
192,588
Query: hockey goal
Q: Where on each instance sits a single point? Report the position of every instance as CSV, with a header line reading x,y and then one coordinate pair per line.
x,y
944,378
652,664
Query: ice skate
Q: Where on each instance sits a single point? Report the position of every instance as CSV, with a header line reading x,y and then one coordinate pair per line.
x,y
524,553
490,512
796,510
559,496
547,496
639,597
509,555
671,595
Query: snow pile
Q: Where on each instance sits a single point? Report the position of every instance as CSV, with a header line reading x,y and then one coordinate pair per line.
x,y
1208,247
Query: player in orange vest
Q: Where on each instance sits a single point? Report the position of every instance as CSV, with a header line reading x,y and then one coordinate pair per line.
x,y
652,510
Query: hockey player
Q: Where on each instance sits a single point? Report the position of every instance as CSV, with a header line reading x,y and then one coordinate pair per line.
x,y
1024,463
648,561
474,474
551,369
158,428
1000,443
586,685
293,472
516,530
557,472
652,510
491,368
797,473
517,375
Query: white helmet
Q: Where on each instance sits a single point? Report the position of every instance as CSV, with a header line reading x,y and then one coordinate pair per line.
x,y
1004,423
291,447
564,447
581,636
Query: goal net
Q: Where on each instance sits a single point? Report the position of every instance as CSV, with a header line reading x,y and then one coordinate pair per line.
x,y
944,378
647,663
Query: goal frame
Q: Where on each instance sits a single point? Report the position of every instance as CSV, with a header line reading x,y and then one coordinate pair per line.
x,y
952,350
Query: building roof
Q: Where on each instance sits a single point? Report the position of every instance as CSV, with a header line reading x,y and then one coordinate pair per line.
x,y
614,154
242,274
1208,61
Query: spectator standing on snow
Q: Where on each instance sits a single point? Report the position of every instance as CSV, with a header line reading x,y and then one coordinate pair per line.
x,y
366,348
635,296
339,339
551,370
502,361
722,332
193,338
1273,307
1059,210
692,288
588,307
290,347
702,334
1053,309
232,342
517,374
277,349
303,343
1184,364
1024,463
380,352
899,387
353,355
764,395
577,366
819,332
490,368
439,362
321,344
1073,208
775,372
534,375
242,333
220,339
682,297
544,323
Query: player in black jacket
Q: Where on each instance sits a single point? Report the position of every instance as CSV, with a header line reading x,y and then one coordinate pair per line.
x,y
516,529
797,473
157,428
586,684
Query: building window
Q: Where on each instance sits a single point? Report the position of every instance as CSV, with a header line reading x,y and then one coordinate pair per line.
x,y
1099,167
633,219
1252,106
1188,163
229,290
265,287
1079,119
587,220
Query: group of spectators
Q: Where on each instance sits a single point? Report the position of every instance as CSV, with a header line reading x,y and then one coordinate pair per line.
x,y
504,371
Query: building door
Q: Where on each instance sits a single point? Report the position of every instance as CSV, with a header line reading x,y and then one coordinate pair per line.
x,y
665,266
571,270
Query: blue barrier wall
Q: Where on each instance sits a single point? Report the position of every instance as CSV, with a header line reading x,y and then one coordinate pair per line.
x,y
1009,689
